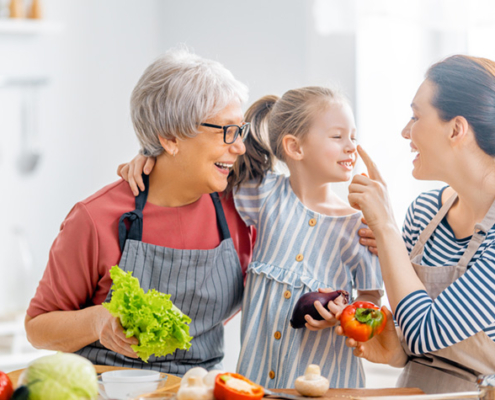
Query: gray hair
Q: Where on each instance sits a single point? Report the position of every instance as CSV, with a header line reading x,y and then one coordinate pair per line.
x,y
176,93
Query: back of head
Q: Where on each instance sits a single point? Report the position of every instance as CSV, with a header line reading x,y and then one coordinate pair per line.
x,y
465,86
293,114
176,93
258,159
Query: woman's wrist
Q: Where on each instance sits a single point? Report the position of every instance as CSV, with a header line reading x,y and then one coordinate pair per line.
x,y
386,230
400,359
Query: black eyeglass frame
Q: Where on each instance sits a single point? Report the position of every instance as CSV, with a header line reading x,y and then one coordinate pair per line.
x,y
240,131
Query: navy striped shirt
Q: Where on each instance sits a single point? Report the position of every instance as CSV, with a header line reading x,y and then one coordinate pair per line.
x,y
467,306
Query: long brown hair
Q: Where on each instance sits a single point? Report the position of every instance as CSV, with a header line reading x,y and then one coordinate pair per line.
x,y
258,158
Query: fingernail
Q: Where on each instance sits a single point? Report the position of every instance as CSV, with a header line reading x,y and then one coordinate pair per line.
x,y
364,174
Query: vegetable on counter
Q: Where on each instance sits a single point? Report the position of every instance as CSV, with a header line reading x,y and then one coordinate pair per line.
x,y
60,376
201,387
194,389
312,384
305,305
362,320
21,393
6,388
151,317
230,386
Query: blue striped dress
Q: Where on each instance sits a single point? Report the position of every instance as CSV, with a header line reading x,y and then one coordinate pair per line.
x,y
465,307
297,251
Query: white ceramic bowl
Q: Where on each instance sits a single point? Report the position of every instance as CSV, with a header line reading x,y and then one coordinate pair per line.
x,y
130,375
118,386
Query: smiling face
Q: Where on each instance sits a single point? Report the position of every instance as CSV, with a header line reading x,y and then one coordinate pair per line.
x,y
330,145
428,134
207,157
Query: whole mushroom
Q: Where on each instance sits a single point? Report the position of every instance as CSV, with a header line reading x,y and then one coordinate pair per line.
x,y
194,389
312,384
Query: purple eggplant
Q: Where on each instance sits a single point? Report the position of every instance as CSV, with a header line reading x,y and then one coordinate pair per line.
x,y
305,305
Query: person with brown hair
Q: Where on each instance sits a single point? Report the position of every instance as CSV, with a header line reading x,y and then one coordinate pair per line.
x,y
440,273
306,237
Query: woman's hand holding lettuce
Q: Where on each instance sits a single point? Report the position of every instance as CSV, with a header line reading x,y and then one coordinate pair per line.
x,y
159,326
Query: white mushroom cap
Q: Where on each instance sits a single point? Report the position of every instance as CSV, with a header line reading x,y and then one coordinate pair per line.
x,y
197,371
312,383
194,389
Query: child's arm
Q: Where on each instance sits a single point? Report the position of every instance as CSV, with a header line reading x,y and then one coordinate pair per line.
x,y
132,171
372,296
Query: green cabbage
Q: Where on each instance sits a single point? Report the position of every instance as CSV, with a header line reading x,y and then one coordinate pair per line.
x,y
60,376
151,317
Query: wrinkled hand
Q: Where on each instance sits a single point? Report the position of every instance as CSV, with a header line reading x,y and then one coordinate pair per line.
x,y
112,336
330,315
370,195
367,238
384,348
132,172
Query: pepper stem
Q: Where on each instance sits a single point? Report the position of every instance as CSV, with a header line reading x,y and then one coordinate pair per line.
x,y
365,315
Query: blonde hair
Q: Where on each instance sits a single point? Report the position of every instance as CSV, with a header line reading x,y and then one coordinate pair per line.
x,y
176,93
293,114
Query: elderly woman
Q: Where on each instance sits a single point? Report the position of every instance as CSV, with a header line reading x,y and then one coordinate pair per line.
x,y
440,274
186,111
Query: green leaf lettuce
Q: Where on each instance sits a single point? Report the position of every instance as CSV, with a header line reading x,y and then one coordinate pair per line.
x,y
151,317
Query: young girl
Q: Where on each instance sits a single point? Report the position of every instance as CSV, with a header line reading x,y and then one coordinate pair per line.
x,y
306,237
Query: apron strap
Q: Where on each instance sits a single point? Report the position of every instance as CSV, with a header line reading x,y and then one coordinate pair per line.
x,y
134,218
430,228
479,235
221,220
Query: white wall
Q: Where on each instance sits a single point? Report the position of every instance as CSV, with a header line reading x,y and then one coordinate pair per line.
x,y
373,51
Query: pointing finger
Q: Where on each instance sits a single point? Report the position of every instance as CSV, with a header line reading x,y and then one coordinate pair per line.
x,y
370,165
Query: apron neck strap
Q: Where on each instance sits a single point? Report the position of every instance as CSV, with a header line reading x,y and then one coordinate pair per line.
x,y
430,228
134,218
479,235
221,220
134,228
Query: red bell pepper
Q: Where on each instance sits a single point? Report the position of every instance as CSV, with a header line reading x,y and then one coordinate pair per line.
x,y
230,391
362,320
6,388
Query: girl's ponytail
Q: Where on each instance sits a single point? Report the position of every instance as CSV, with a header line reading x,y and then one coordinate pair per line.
x,y
258,159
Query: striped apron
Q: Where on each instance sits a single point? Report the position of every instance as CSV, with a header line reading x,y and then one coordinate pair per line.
x,y
454,368
207,285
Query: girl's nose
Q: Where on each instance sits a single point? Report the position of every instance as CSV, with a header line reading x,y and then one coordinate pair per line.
x,y
351,147
406,132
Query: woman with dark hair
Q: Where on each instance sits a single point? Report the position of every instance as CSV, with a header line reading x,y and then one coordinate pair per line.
x,y
440,273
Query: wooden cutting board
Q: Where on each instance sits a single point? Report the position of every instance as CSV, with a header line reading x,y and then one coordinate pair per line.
x,y
172,385
340,394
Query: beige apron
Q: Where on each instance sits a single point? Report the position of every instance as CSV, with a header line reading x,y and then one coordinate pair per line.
x,y
455,368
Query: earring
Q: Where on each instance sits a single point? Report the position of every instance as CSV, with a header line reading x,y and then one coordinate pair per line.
x,y
174,153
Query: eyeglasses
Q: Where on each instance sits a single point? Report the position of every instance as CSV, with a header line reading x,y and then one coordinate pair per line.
x,y
232,132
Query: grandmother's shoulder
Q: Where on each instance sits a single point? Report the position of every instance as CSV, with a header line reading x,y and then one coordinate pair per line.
x,y
114,191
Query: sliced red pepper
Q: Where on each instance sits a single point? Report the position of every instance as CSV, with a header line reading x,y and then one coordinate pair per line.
x,y
362,320
6,388
223,392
